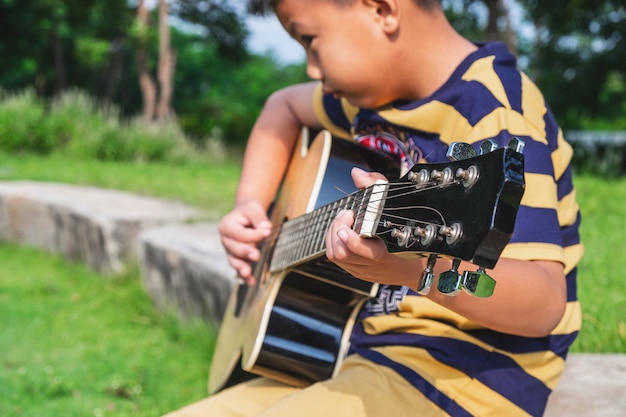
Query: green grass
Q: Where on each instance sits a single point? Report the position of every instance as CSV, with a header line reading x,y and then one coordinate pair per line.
x,y
76,344
208,185
601,288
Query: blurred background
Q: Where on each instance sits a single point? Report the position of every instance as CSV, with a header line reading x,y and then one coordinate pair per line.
x,y
208,66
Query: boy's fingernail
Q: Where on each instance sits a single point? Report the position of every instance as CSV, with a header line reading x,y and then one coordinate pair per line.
x,y
343,235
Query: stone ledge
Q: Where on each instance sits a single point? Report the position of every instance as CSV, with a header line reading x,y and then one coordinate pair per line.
x,y
184,269
96,226
592,385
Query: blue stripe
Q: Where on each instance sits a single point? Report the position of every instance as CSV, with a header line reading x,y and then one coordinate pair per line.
x,y
511,80
463,98
538,158
537,225
552,129
558,344
572,291
335,112
565,184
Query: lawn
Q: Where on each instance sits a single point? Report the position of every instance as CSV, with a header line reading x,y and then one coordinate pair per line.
x,y
77,344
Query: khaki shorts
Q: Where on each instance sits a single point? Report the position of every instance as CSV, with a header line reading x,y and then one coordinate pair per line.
x,y
362,388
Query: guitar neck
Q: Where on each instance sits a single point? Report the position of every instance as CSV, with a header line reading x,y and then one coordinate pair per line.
x,y
303,238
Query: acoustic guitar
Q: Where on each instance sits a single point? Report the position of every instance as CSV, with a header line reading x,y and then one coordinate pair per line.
x,y
294,324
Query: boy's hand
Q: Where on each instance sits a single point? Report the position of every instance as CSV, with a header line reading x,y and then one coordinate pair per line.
x,y
241,232
363,258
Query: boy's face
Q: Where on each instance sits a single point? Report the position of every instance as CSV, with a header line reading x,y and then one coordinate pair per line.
x,y
346,48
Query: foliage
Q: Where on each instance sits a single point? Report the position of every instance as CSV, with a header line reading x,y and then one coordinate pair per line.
x,y
219,24
578,60
77,125
572,49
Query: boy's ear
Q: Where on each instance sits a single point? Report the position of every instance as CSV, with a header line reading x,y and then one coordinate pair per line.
x,y
387,13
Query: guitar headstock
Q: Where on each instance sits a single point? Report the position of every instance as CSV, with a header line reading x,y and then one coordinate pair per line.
x,y
464,209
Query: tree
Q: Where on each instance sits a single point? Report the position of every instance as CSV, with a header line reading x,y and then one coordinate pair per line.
x,y
579,58
218,23
146,82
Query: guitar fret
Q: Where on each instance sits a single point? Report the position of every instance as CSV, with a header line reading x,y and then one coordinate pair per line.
x,y
305,236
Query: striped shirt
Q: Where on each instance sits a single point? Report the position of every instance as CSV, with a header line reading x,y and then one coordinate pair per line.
x,y
461,367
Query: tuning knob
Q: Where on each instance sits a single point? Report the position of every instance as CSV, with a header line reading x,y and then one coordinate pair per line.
x,y
478,283
488,146
458,151
428,276
516,144
450,282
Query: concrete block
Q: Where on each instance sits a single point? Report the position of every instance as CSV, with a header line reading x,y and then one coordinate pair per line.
x,y
95,226
184,268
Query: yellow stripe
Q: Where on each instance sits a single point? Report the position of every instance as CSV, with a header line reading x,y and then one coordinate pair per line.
x,y
434,117
500,118
571,321
573,254
348,109
482,71
471,394
568,209
540,191
534,251
533,106
562,156
320,112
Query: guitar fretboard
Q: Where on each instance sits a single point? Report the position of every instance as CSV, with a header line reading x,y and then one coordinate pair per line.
x,y
303,238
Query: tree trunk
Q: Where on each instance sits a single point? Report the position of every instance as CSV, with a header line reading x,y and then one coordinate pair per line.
x,y
497,10
167,62
59,63
146,83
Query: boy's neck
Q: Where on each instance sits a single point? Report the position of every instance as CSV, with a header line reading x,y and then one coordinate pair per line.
x,y
429,63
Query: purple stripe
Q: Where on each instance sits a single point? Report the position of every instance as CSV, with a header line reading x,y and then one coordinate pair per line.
x,y
537,225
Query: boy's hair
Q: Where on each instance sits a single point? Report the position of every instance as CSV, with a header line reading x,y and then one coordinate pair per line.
x,y
264,7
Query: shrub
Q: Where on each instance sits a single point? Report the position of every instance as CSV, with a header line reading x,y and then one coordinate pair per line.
x,y
21,129
77,125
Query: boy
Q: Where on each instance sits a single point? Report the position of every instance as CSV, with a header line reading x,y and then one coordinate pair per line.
x,y
396,70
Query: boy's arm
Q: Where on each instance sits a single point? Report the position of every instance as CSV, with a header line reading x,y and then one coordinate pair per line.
x,y
266,158
529,299
271,142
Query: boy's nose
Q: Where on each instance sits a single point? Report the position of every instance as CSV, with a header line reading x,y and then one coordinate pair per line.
x,y
313,71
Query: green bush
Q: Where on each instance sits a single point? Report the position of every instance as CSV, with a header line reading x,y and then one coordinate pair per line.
x,y
21,129
77,125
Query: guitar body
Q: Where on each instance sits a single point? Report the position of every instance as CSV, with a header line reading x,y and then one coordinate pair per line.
x,y
293,325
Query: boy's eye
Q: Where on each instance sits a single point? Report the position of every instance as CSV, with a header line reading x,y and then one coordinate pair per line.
x,y
306,40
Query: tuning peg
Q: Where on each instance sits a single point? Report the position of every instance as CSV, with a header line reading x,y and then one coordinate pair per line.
x,y
478,283
516,144
488,146
427,278
450,282
458,151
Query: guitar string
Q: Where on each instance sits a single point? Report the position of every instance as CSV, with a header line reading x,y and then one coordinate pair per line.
x,y
321,223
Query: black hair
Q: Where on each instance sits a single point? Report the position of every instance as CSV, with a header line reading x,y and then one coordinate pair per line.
x,y
264,7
